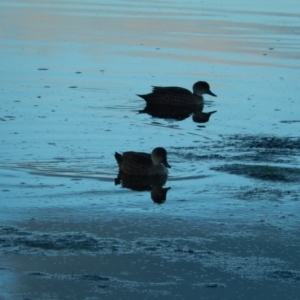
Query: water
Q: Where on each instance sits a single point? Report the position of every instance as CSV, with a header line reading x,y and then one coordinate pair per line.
x,y
70,75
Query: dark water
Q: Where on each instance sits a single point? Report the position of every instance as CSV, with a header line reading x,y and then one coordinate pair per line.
x,y
229,223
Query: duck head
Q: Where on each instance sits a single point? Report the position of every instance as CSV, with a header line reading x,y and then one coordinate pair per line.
x,y
202,87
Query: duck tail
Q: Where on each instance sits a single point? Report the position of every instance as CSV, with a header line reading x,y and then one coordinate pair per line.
x,y
119,158
143,96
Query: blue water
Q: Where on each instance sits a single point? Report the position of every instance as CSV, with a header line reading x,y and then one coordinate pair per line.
x,y
70,75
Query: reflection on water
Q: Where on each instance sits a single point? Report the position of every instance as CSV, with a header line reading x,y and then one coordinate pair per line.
x,y
202,117
170,112
154,184
178,113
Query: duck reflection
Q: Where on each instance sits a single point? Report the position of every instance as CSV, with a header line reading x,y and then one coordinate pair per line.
x,y
178,113
202,117
159,194
154,184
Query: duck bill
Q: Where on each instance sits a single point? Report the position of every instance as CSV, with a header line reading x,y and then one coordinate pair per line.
x,y
165,163
211,93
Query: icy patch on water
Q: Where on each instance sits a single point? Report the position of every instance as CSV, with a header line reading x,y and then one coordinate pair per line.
x,y
105,284
190,250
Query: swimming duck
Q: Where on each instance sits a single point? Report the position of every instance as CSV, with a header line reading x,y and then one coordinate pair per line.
x,y
177,95
143,164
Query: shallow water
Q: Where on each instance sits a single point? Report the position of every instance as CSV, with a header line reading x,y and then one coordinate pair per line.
x,y
71,72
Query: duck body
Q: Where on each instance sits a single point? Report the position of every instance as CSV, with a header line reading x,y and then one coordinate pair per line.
x,y
143,164
171,96
178,96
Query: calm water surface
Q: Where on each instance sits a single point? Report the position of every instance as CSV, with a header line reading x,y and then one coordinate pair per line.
x,y
70,72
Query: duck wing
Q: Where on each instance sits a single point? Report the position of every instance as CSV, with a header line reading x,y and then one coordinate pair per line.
x,y
138,158
171,90
169,95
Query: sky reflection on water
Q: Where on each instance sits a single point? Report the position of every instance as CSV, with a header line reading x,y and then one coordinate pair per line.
x,y
72,72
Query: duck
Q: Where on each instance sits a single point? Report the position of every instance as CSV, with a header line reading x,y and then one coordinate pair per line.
x,y
143,164
173,95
